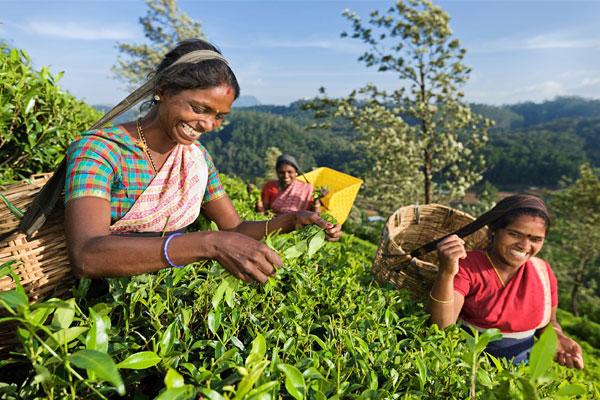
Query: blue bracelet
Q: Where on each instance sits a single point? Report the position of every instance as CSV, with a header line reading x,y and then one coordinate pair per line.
x,y
166,250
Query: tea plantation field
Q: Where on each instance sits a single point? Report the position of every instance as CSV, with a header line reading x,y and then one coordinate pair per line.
x,y
322,328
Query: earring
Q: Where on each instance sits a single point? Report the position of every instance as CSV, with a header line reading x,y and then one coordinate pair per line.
x,y
156,98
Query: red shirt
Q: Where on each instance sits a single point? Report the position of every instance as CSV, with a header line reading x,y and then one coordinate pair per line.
x,y
516,307
269,193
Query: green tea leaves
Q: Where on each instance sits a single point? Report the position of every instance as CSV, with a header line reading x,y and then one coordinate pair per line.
x,y
141,360
101,364
542,354
294,381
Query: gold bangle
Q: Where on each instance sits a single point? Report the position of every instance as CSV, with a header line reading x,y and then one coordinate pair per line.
x,y
266,228
439,301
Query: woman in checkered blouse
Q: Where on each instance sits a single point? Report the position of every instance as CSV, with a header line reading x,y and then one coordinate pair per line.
x,y
131,190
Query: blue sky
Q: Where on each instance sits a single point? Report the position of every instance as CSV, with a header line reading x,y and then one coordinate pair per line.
x,y
285,50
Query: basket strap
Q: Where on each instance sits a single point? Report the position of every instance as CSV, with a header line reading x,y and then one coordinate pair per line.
x,y
44,202
466,230
505,205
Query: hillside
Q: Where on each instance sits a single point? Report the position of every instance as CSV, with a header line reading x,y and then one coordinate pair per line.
x,y
531,145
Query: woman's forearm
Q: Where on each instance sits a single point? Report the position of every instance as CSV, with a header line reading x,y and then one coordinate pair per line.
x,y
441,303
115,256
258,229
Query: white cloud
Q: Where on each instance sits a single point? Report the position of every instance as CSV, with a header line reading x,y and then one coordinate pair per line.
x,y
590,82
546,41
551,41
80,31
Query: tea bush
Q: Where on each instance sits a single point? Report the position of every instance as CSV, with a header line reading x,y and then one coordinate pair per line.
x,y
320,329
37,119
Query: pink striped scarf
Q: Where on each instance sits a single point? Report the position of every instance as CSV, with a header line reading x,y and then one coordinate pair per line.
x,y
173,199
295,197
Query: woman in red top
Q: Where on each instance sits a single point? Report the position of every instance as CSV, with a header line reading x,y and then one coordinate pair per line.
x,y
504,287
286,194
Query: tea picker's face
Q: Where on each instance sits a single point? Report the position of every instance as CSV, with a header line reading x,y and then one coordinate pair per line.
x,y
286,174
186,115
520,240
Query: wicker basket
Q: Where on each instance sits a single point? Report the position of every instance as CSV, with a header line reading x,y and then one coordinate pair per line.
x,y
409,228
41,262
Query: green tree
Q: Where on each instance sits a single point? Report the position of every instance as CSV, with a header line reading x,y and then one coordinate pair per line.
x,y
271,155
164,26
577,252
435,138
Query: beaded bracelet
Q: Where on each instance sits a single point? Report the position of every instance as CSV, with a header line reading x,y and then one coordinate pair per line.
x,y
166,250
266,229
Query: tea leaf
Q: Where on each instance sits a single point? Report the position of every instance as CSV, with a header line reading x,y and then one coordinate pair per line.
x,y
173,379
211,394
218,296
570,389
180,393
14,298
102,365
542,354
214,321
65,336
141,360
63,316
316,243
168,339
294,381
97,339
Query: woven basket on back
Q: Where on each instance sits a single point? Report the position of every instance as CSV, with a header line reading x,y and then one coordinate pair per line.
x,y
408,229
41,261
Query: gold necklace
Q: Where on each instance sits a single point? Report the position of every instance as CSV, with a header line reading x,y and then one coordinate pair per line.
x,y
495,270
142,144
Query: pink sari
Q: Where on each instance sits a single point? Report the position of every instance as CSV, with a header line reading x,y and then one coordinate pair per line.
x,y
173,199
295,197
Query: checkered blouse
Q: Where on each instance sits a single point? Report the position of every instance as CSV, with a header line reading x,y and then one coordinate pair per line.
x,y
106,163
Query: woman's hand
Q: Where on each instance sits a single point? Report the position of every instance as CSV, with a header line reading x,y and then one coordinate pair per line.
x,y
333,232
450,250
246,258
568,352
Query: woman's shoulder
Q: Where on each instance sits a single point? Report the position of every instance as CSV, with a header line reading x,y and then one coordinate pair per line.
x,y
109,136
105,143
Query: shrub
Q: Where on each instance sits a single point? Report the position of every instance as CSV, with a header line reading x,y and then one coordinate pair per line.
x,y
37,119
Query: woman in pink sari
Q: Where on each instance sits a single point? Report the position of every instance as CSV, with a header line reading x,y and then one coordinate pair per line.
x,y
131,190
286,194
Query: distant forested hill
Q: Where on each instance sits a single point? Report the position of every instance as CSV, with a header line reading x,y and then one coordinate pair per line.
x,y
240,147
531,144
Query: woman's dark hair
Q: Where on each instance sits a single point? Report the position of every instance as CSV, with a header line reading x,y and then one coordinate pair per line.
x,y
203,75
510,216
287,159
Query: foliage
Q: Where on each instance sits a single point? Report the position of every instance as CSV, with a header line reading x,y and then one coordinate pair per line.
x,y
164,26
271,155
358,224
577,249
533,157
321,328
37,119
240,147
423,131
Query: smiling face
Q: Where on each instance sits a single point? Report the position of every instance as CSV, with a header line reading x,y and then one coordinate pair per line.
x,y
186,115
286,174
522,239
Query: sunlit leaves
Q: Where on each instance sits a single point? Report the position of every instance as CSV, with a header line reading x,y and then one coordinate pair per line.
x,y
101,364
